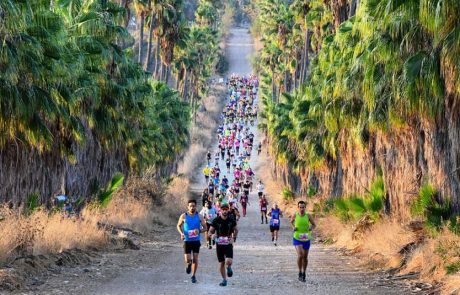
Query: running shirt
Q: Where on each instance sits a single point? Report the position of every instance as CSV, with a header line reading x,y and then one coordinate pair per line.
x,y
192,227
209,214
224,227
302,223
263,204
275,217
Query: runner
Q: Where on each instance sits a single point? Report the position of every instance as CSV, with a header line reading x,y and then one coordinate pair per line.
x,y
275,214
244,203
260,189
190,225
302,224
206,172
209,212
204,196
224,231
263,209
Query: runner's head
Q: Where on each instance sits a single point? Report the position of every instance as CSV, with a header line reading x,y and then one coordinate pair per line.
x,y
275,205
224,209
191,206
301,206
208,204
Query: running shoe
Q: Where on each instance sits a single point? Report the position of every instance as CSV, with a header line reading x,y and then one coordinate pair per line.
x,y
300,276
223,283
304,279
229,272
188,268
193,279
209,246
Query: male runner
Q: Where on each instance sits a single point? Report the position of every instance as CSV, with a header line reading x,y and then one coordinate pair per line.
x,y
275,214
302,224
260,189
209,212
224,231
190,225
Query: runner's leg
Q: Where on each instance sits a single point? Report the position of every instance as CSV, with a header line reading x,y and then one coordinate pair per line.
x,y
195,263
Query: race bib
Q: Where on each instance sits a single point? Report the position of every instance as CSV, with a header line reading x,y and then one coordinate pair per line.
x,y
276,221
193,233
210,216
223,241
263,208
303,237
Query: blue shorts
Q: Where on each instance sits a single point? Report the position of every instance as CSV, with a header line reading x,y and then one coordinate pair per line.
x,y
305,245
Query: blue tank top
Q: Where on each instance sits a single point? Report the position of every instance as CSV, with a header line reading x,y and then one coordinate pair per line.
x,y
275,218
191,227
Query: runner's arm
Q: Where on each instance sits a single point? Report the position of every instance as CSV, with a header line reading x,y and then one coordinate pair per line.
x,y
292,223
235,233
203,224
179,225
312,222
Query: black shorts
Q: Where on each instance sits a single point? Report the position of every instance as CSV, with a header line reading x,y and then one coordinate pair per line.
x,y
224,251
260,194
192,246
274,227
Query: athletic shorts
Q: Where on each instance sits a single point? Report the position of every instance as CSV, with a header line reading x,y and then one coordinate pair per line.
x,y
260,194
224,251
192,246
274,227
304,244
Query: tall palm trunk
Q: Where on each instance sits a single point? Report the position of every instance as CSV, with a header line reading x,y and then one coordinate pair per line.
x,y
353,7
339,11
150,44
157,59
306,59
140,57
273,86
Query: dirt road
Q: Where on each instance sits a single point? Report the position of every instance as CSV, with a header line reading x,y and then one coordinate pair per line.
x,y
259,266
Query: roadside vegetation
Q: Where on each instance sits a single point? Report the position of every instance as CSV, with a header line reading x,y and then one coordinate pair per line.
x,y
339,76
71,71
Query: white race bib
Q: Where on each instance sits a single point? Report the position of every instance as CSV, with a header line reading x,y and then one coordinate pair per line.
x,y
263,208
303,236
193,233
223,240
276,221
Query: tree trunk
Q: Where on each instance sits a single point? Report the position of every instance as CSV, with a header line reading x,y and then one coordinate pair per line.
x,y
167,74
273,87
157,59
306,59
339,12
140,57
150,44
353,7
125,4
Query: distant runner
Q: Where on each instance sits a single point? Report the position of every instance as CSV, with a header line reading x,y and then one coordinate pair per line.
x,y
224,231
263,203
209,213
275,214
190,225
302,224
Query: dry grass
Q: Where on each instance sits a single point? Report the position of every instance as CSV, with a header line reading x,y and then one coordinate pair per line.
x,y
42,233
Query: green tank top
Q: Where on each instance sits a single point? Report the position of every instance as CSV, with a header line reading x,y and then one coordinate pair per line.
x,y
302,223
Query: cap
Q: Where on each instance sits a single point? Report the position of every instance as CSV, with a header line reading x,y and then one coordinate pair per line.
x,y
224,205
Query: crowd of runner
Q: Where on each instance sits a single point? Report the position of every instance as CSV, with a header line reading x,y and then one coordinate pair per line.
x,y
228,186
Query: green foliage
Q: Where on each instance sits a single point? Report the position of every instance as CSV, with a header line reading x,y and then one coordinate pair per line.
x,y
105,196
429,206
453,268
311,191
32,203
65,76
355,207
377,71
288,195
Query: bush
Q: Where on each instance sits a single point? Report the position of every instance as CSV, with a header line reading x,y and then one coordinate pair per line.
x,y
356,206
288,195
432,209
105,196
